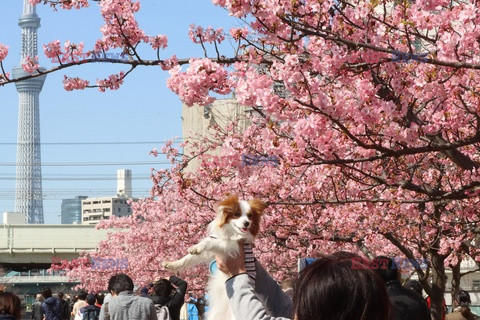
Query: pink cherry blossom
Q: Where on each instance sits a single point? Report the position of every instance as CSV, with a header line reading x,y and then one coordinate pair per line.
x,y
3,51
159,41
197,34
168,64
30,64
113,82
52,49
201,77
72,51
74,83
238,33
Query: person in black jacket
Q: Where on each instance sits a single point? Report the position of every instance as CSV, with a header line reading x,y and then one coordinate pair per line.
x,y
52,307
65,306
91,311
406,304
170,293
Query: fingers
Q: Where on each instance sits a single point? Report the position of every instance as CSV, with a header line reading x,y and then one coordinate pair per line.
x,y
231,266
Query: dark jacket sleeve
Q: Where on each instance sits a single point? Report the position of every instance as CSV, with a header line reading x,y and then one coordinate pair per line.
x,y
179,295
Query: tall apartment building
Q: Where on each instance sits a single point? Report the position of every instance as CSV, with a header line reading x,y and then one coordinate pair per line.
x,y
200,121
96,209
72,210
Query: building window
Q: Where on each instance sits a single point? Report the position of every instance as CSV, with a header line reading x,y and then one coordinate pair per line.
x,y
476,284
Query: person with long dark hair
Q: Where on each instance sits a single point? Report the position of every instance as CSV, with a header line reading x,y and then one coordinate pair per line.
x,y
462,312
334,287
10,306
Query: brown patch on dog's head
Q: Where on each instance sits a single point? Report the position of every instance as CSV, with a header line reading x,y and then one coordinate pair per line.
x,y
257,207
228,208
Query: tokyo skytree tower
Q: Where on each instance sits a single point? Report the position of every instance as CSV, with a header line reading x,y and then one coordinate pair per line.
x,y
28,193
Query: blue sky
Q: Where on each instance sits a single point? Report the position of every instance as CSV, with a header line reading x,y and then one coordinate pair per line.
x,y
74,124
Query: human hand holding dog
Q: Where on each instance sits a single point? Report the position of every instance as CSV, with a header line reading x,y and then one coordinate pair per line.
x,y
232,266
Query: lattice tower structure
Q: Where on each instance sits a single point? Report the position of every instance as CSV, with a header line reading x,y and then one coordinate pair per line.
x,y
28,189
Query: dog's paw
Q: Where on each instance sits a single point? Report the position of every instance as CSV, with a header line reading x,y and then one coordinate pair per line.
x,y
170,265
196,249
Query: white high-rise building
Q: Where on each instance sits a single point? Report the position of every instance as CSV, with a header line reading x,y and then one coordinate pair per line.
x,y
124,183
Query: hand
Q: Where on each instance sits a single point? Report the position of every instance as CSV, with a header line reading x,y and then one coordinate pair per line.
x,y
232,266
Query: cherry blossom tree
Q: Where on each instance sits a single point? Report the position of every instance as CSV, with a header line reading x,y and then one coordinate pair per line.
x,y
369,108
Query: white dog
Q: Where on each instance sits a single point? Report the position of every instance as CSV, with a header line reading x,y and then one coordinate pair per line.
x,y
236,220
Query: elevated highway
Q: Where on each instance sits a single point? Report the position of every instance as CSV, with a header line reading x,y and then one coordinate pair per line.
x,y
25,247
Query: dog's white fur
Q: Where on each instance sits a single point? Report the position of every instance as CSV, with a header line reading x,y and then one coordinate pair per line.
x,y
236,220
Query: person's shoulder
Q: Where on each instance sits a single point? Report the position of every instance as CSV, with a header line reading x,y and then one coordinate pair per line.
x,y
144,300
455,315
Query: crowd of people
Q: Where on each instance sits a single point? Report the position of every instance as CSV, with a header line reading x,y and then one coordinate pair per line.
x,y
334,287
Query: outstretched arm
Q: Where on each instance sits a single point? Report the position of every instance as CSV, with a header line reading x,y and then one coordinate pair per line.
x,y
244,298
244,302
179,295
278,302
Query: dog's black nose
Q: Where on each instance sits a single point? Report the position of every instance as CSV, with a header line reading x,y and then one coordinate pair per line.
x,y
246,223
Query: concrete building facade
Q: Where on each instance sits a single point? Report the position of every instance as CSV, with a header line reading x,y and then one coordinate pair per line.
x,y
13,218
96,209
202,122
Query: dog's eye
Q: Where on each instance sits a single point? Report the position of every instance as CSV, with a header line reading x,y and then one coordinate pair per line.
x,y
237,214
249,216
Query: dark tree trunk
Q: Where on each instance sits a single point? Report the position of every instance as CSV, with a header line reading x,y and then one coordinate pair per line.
x,y
439,281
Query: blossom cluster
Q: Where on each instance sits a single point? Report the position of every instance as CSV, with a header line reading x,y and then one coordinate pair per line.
x,y
378,154
3,51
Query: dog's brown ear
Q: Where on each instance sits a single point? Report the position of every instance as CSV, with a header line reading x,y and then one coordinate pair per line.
x,y
227,208
230,201
258,205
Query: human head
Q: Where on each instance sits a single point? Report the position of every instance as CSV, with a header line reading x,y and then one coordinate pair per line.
x,y
60,295
82,295
385,267
414,285
144,292
332,288
120,282
10,304
163,288
100,297
463,298
46,292
39,297
90,299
